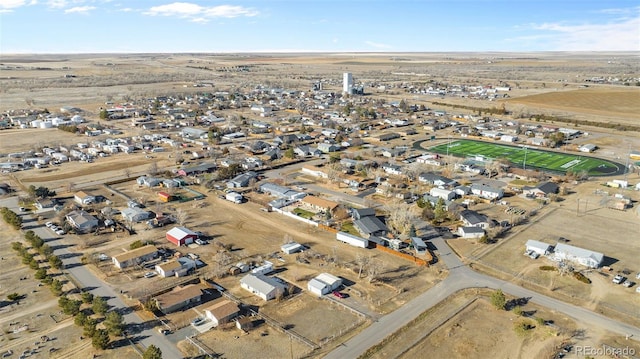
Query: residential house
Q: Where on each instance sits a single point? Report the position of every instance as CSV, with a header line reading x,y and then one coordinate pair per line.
x,y
319,204
135,256
286,139
370,226
178,267
222,312
44,203
474,219
198,169
242,180
148,181
179,298
445,194
538,247
262,286
436,180
135,214
578,255
392,169
470,232
83,198
81,221
327,147
358,213
487,192
543,190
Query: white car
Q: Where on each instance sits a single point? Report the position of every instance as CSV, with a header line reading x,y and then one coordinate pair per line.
x,y
638,275
638,289
628,284
150,274
60,232
48,224
618,279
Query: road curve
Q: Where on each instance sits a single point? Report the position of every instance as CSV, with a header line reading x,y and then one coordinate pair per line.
x,y
462,277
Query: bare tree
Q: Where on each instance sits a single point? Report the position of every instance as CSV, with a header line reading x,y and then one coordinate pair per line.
x,y
374,269
182,216
153,168
287,238
362,263
126,172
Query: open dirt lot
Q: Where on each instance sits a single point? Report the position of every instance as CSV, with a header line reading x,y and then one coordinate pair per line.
x,y
589,226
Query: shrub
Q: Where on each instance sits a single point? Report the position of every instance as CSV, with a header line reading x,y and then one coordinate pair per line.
x,y
13,297
517,310
581,277
548,268
136,244
498,299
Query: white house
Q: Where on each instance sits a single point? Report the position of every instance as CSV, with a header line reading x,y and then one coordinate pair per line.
x,y
487,192
83,198
82,221
538,247
442,193
264,287
470,232
324,283
578,255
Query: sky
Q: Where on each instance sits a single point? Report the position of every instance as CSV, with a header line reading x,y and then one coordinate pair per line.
x,y
214,26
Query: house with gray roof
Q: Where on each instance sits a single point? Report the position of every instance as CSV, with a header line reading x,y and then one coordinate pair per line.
x,y
474,219
241,180
487,192
370,225
264,287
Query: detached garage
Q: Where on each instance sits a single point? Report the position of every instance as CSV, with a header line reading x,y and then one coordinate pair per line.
x,y
323,284
181,236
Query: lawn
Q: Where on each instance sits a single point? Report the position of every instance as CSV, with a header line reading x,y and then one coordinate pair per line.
x,y
302,213
530,157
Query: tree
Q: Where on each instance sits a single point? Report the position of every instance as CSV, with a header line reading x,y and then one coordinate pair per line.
x,y
114,323
100,339
46,250
104,114
80,319
87,297
99,305
289,153
136,244
153,168
89,327
498,299
152,352
182,216
40,274
56,287
55,262
412,231
13,296
439,211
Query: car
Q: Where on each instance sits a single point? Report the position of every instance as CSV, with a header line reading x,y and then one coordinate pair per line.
x,y
164,331
201,242
103,257
22,209
61,232
49,224
150,274
338,294
638,275
638,289
618,279
197,321
193,256
628,284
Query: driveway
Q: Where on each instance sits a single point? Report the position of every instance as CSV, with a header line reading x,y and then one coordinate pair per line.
x,y
139,330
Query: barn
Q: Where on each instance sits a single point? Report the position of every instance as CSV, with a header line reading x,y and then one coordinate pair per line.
x,y
181,236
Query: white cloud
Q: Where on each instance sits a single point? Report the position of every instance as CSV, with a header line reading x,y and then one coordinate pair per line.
x,y
8,5
79,10
57,4
620,35
200,14
377,45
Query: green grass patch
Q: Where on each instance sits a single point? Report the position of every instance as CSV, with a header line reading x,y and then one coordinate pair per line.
x,y
349,228
530,157
303,213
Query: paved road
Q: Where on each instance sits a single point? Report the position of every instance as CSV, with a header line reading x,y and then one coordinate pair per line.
x,y
138,329
461,277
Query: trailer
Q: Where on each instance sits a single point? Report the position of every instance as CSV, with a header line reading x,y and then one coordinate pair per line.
x,y
352,240
234,197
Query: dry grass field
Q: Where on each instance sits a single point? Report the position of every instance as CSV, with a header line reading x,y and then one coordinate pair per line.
x,y
610,102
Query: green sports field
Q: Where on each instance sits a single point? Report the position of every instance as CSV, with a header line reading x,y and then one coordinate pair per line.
x,y
535,158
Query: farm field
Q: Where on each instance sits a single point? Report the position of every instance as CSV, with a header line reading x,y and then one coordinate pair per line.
x,y
531,158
